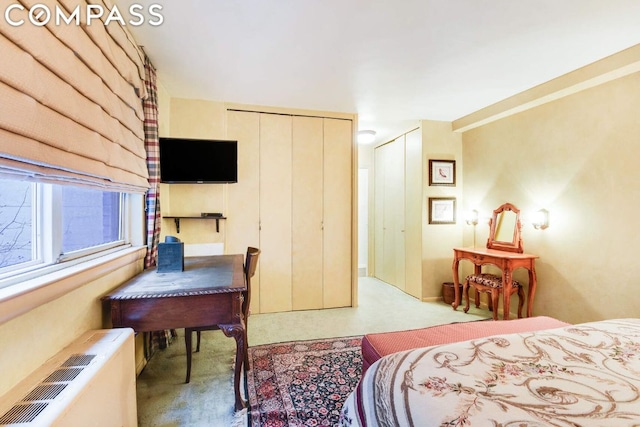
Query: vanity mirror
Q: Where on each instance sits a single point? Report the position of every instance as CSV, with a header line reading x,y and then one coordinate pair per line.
x,y
504,229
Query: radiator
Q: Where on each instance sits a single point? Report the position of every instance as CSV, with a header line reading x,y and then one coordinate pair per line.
x,y
92,382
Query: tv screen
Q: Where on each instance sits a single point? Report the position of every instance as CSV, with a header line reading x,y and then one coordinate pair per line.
x,y
188,161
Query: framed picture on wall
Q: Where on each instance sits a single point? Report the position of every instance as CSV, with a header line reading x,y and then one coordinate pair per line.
x,y
442,210
442,172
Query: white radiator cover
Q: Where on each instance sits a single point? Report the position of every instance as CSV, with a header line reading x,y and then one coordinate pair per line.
x,y
92,382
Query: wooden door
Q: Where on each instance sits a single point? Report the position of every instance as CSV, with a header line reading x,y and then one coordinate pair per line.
x,y
413,213
243,198
275,213
337,212
379,213
394,213
389,190
307,211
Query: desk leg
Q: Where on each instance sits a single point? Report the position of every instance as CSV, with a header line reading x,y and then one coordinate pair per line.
x,y
237,332
532,290
506,297
456,284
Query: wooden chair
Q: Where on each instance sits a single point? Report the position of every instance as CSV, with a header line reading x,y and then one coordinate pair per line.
x,y
250,264
491,284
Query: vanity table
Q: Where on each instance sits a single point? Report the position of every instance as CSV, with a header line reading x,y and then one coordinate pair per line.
x,y
505,261
505,251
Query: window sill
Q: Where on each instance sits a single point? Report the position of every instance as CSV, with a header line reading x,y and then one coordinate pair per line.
x,y
18,299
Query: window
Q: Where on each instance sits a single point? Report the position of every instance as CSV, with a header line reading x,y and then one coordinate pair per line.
x,y
16,224
47,224
90,218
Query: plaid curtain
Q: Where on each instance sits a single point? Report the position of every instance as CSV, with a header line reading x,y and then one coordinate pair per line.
x,y
158,339
152,145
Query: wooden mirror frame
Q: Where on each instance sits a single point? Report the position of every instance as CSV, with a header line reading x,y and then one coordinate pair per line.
x,y
516,244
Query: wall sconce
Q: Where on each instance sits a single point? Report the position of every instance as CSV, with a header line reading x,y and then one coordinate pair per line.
x,y
540,219
472,217
366,136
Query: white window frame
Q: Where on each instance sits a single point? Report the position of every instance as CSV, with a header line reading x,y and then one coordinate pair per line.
x,y
47,234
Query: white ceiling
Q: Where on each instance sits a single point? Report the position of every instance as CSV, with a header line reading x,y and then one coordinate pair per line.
x,y
391,62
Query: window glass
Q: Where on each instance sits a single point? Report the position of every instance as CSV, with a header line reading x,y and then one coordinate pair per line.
x,y
89,218
16,223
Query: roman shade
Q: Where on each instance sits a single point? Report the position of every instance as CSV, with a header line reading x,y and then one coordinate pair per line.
x,y
71,109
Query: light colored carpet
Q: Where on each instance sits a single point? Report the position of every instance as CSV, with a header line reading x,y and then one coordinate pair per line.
x,y
164,400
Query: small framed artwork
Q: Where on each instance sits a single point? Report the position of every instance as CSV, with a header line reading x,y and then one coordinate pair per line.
x,y
442,210
442,172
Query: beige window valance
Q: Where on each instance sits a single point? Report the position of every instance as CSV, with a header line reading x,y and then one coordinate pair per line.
x,y
70,104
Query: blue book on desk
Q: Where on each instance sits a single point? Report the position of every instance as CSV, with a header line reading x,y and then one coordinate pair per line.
x,y
170,255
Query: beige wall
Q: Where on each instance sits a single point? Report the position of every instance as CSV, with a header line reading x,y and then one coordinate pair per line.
x,y
32,338
192,118
578,158
438,240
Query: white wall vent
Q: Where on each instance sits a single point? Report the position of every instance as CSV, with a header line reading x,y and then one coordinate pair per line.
x,y
89,383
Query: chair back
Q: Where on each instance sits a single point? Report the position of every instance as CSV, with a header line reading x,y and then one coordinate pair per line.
x,y
250,264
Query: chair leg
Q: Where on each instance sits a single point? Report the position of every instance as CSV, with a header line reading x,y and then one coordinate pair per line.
x,y
188,343
520,301
495,295
465,293
246,352
477,295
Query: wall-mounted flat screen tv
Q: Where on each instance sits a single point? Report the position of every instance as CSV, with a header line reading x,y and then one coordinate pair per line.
x,y
202,161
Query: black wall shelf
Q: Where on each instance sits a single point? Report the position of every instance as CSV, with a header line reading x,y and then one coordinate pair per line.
x,y
177,219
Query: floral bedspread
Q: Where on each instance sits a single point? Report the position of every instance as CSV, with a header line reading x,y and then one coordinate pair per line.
x,y
579,375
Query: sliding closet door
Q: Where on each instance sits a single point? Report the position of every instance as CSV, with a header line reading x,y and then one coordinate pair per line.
x,y
389,213
413,213
275,213
378,217
307,200
337,223
293,200
394,213
243,208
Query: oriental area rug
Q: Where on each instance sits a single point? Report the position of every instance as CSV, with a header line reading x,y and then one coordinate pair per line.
x,y
302,383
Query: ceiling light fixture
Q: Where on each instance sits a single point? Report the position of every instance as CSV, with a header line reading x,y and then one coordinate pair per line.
x,y
366,136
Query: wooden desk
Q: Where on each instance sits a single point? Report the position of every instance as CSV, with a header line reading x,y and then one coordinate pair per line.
x,y
208,292
507,262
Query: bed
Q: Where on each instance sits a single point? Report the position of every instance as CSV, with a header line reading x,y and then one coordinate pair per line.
x,y
576,375
375,346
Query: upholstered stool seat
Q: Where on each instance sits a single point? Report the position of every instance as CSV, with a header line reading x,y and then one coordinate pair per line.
x,y
491,284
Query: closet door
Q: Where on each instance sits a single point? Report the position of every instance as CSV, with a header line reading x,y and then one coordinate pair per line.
x,y
394,249
379,219
337,223
243,203
275,213
389,213
307,210
413,213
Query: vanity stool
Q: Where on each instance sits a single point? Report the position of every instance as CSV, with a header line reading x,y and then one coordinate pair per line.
x,y
491,284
